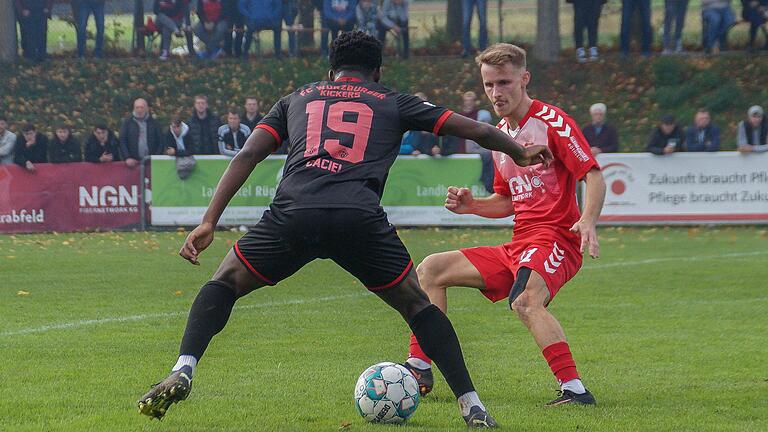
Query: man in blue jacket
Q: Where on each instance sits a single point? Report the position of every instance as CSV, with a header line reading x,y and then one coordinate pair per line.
x,y
703,135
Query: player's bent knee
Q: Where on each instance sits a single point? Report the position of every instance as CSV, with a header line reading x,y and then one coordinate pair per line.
x,y
234,274
407,297
430,272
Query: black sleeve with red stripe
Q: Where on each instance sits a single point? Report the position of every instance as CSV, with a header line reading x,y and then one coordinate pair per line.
x,y
416,114
276,121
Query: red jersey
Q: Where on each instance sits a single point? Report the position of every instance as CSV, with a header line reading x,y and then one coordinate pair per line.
x,y
544,197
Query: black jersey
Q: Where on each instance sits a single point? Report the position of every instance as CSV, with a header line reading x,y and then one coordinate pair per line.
x,y
343,137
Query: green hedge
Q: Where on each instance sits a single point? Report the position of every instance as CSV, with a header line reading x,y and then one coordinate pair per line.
x,y
637,92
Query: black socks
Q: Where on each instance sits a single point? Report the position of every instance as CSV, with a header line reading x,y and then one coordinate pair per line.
x,y
208,316
438,340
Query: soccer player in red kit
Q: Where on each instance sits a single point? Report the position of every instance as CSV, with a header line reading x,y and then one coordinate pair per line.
x,y
550,235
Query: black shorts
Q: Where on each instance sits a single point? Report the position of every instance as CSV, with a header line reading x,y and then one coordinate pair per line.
x,y
363,243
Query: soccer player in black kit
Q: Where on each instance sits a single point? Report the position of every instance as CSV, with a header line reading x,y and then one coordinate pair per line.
x,y
343,136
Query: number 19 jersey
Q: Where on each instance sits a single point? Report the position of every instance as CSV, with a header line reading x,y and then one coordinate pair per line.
x,y
343,137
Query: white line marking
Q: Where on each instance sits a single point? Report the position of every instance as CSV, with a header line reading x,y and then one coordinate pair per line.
x,y
90,322
668,259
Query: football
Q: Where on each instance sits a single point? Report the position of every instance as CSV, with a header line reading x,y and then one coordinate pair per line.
x,y
386,393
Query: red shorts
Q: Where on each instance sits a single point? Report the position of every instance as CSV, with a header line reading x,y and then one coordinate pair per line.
x,y
552,254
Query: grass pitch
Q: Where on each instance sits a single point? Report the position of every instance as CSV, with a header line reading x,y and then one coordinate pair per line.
x,y
668,329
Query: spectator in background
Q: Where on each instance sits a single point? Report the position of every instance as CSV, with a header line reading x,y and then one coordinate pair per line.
x,y
203,127
628,8
394,18
33,22
586,16
170,15
262,15
211,28
702,136
102,146
406,144
290,12
32,149
716,19
368,17
232,135
468,109
421,142
235,21
339,17
7,142
486,157
178,143
84,9
667,138
467,8
754,12
602,137
64,147
752,133
674,17
251,117
139,135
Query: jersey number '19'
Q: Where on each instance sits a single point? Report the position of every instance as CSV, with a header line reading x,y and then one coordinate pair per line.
x,y
359,129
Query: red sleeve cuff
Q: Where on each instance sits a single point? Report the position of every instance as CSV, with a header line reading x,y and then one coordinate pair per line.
x,y
440,121
271,130
587,168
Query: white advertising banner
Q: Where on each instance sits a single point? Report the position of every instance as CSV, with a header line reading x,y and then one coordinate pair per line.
x,y
685,188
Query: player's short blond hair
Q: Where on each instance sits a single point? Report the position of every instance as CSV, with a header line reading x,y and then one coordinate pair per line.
x,y
502,53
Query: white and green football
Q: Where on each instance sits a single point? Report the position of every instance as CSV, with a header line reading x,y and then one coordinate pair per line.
x,y
386,393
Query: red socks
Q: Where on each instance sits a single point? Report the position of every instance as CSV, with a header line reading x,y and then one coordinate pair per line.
x,y
415,350
558,355
560,360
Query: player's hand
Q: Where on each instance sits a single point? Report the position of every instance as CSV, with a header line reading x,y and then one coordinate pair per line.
x,y
197,241
459,200
535,154
588,233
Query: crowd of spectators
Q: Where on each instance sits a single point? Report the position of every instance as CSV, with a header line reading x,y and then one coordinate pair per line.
x,y
229,26
223,26
140,135
717,18
704,136
204,133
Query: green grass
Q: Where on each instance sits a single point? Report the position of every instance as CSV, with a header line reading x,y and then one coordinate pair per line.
x,y
668,329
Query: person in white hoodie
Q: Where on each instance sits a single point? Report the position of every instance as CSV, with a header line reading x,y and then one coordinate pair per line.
x,y
179,143
232,135
7,142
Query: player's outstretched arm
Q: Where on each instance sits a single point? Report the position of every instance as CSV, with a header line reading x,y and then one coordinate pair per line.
x,y
593,205
494,139
461,201
257,147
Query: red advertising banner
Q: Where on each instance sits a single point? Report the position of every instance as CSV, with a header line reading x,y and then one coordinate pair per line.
x,y
69,197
